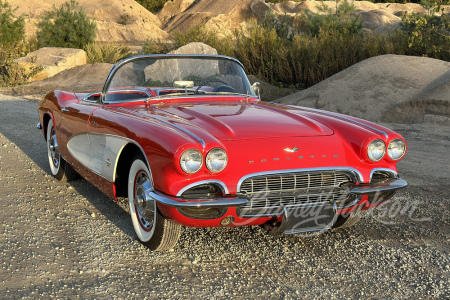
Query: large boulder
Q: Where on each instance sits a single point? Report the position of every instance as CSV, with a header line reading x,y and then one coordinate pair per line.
x,y
218,15
123,21
389,88
53,60
166,70
173,8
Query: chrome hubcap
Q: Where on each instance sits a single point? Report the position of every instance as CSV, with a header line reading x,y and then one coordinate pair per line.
x,y
144,204
53,148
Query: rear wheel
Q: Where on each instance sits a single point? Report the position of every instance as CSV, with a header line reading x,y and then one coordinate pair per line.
x,y
58,166
152,229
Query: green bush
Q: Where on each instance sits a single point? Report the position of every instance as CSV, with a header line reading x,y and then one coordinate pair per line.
x,y
222,43
11,73
67,26
311,60
106,53
429,35
260,49
152,5
300,61
157,46
12,29
340,21
300,52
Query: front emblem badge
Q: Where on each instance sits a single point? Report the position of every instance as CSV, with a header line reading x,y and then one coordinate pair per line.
x,y
295,149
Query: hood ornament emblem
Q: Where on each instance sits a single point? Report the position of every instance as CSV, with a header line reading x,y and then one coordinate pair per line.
x,y
295,149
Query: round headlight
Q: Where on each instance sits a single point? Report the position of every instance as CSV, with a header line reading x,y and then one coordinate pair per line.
x,y
191,161
376,150
396,149
216,160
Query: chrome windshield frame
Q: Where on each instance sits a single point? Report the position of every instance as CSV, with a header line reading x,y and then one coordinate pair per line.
x,y
117,66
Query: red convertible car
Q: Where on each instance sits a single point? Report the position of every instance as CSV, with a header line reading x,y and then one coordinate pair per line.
x,y
187,140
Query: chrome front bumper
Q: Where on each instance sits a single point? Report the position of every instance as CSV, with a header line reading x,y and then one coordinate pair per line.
x,y
387,185
185,203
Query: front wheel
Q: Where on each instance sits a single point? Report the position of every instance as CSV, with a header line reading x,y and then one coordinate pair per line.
x,y
152,229
58,166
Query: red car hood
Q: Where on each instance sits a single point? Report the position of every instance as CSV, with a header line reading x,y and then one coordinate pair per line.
x,y
237,121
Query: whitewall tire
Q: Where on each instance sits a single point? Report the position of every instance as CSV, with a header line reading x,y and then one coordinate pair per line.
x,y
58,166
152,229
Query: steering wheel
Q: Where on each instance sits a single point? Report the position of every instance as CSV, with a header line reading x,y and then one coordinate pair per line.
x,y
206,82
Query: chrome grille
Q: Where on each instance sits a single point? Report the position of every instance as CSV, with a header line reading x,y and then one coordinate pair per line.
x,y
268,193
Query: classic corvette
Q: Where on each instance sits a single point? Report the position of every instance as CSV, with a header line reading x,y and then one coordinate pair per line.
x,y
188,141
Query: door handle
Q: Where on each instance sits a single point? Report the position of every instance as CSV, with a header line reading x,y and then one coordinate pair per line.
x,y
64,110
94,123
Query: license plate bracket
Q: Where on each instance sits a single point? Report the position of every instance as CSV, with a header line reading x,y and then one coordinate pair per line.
x,y
308,217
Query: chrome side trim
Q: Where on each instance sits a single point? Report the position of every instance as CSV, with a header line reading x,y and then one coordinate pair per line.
x,y
224,187
384,170
348,169
112,151
117,66
167,123
339,117
179,203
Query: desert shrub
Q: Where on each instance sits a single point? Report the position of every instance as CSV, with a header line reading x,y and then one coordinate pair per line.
x,y
106,53
300,52
11,73
152,5
429,35
67,26
299,61
12,29
282,24
313,59
223,43
260,49
126,19
342,20
155,46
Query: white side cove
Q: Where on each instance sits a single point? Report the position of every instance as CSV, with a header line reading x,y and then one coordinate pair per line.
x,y
97,152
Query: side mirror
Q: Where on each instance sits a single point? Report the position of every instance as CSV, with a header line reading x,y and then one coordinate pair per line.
x,y
256,88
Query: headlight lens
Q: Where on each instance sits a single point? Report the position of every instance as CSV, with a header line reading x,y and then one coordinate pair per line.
x,y
396,149
216,160
191,161
376,150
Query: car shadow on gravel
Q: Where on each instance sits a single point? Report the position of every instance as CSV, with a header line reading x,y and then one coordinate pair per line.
x,y
18,124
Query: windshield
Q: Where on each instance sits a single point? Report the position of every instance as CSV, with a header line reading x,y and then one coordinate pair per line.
x,y
171,75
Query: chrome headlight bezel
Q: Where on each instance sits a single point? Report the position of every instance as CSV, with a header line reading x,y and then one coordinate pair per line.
x,y
376,150
394,143
191,161
216,160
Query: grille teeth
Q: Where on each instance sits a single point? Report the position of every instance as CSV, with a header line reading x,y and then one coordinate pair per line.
x,y
274,190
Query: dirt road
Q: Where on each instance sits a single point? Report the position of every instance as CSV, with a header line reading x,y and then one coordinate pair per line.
x,y
68,240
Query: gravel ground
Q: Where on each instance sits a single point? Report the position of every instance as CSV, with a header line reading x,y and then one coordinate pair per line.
x,y
69,241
